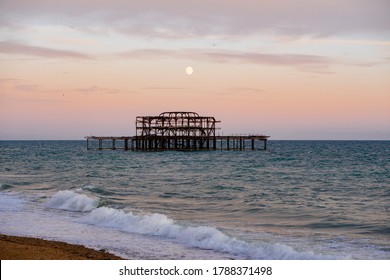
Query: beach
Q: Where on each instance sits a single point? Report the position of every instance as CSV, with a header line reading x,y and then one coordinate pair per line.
x,y
25,248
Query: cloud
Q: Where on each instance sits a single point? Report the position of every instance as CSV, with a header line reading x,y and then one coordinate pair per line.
x,y
241,91
164,88
223,56
20,85
152,53
175,18
95,90
11,81
26,87
247,90
270,59
11,47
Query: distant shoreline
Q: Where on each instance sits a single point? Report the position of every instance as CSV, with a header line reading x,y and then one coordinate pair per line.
x,y
28,248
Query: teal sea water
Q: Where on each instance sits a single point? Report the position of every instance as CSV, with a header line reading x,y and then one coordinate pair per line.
x,y
297,200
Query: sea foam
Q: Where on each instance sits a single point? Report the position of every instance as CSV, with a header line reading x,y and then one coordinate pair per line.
x,y
159,225
10,202
193,236
71,201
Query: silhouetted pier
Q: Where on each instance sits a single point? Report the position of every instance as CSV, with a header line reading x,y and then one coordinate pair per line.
x,y
180,131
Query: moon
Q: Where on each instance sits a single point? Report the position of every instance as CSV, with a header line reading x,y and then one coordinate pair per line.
x,y
189,70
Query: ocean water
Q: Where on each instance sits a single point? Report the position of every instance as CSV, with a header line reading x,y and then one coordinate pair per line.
x,y
297,200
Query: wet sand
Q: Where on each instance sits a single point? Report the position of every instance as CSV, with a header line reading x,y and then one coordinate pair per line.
x,y
25,248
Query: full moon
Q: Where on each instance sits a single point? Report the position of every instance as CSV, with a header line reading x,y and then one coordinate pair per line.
x,y
189,70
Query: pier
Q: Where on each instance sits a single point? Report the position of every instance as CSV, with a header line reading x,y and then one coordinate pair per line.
x,y
180,131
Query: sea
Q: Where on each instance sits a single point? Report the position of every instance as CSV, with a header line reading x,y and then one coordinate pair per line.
x,y
296,200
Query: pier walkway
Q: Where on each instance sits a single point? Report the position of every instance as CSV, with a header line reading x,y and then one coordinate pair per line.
x,y
189,143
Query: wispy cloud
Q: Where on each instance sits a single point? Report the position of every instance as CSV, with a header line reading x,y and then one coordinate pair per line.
x,y
224,56
353,42
164,88
11,47
172,18
19,85
265,58
246,90
95,90
11,81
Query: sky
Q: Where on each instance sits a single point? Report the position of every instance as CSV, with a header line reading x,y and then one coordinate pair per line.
x,y
299,69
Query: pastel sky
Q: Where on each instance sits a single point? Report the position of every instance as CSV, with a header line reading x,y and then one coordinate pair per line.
x,y
301,69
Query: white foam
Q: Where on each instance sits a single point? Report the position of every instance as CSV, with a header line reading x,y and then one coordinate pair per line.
x,y
126,222
71,201
10,202
192,236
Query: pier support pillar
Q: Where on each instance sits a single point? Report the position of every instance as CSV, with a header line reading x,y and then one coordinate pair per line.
x,y
126,144
227,144
113,145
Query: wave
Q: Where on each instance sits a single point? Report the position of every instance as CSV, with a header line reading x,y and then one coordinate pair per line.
x,y
10,202
202,237
71,201
96,190
160,225
4,187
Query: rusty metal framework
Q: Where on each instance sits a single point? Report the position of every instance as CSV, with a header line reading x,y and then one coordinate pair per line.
x,y
178,131
175,130
176,124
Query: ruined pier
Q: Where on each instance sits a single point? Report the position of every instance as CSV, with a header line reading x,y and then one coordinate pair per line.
x,y
180,131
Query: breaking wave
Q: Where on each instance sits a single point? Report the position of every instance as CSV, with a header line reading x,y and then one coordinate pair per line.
x,y
194,236
160,225
71,201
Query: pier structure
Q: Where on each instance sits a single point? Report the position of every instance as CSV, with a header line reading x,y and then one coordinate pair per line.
x,y
175,130
182,131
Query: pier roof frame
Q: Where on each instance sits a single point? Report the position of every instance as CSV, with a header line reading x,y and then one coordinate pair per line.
x,y
176,123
